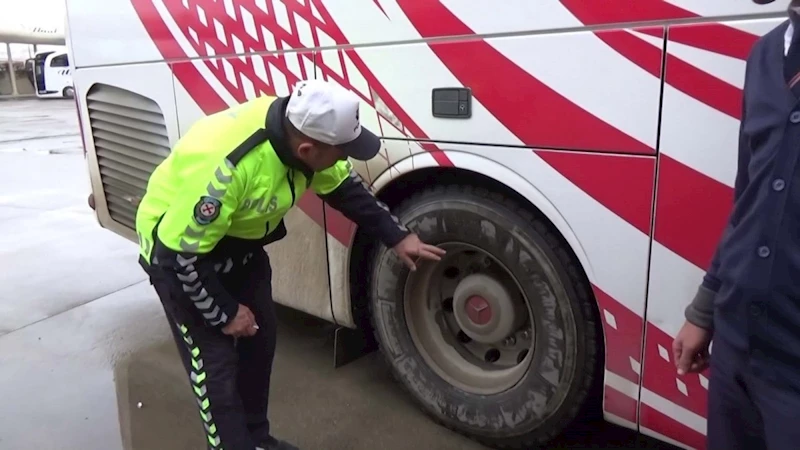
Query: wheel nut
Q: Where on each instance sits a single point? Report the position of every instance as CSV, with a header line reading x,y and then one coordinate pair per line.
x,y
509,341
525,334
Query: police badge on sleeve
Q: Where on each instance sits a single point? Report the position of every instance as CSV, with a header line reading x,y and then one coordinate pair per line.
x,y
207,210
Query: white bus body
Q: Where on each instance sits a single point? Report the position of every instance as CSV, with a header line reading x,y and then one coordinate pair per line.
x,y
590,153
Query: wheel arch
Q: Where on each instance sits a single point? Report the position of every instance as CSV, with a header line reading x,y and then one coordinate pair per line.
x,y
394,184
400,180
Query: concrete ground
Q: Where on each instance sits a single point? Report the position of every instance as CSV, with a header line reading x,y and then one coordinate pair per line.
x,y
83,342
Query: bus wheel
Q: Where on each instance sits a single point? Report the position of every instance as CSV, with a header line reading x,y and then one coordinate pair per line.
x,y
69,92
498,340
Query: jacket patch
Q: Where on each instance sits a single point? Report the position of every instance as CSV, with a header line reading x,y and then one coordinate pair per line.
x,y
260,205
207,210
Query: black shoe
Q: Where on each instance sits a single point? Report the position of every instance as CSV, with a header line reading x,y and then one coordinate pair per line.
x,y
274,444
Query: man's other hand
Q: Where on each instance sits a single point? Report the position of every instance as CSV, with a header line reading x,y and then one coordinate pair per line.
x,y
411,247
244,324
690,349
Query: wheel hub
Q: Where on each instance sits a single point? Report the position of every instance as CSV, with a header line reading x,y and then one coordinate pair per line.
x,y
484,309
478,310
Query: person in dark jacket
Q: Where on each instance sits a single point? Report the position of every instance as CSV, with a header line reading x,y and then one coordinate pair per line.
x,y
749,299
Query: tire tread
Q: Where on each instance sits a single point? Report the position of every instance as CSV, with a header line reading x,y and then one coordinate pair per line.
x,y
584,297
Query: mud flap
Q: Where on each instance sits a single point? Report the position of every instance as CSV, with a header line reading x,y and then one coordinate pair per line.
x,y
350,344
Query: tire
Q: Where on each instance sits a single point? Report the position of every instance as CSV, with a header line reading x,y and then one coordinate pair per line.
x,y
69,92
553,385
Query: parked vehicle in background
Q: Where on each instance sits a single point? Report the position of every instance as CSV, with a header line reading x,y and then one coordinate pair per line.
x,y
575,158
52,74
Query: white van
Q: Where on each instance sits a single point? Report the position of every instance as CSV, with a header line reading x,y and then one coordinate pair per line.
x,y
52,74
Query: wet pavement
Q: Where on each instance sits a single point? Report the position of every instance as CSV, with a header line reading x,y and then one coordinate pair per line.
x,y
86,354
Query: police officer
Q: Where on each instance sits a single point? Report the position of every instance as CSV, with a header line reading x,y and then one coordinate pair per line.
x,y
210,208
750,297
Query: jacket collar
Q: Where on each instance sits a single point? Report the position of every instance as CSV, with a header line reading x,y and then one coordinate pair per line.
x,y
276,116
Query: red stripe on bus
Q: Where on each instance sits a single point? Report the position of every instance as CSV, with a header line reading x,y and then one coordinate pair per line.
x,y
538,115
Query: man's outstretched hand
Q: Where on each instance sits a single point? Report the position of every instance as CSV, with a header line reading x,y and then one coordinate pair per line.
x,y
411,247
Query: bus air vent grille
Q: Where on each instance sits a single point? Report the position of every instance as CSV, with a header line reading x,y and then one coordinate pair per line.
x,y
130,139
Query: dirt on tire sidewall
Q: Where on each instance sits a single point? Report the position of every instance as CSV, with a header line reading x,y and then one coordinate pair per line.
x,y
554,387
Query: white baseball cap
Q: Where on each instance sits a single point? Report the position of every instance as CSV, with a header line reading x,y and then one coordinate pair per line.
x,y
328,113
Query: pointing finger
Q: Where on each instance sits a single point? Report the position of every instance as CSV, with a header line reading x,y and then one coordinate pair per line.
x,y
677,346
685,361
434,249
429,255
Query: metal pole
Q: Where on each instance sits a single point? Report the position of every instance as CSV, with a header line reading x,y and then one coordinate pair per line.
x,y
11,73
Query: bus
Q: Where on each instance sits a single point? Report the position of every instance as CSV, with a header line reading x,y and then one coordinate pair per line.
x,y
52,74
576,159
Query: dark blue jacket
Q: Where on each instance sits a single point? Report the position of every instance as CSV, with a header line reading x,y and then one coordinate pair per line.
x,y
754,279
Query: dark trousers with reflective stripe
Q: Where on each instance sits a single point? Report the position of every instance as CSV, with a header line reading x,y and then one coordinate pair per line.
x,y
230,377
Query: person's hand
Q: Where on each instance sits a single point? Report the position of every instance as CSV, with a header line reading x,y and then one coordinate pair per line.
x,y
411,247
244,324
690,349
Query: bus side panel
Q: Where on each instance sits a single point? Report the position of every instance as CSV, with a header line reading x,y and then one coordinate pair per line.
x,y
122,31
322,23
130,123
528,90
299,261
370,21
697,167
108,32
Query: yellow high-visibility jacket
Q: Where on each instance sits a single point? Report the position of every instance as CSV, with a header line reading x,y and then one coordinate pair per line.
x,y
223,192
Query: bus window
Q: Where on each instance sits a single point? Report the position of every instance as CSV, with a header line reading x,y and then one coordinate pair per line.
x,y
60,61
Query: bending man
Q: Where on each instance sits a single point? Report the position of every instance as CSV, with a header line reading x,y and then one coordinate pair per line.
x,y
209,210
